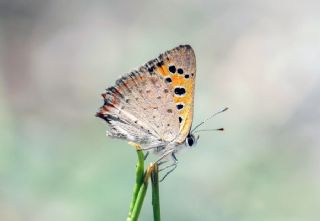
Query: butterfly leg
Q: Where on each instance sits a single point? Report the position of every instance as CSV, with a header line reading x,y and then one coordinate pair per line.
x,y
175,160
146,155
164,155
166,167
162,162
173,166
153,146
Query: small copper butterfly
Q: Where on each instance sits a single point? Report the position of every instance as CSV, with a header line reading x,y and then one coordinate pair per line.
x,y
153,105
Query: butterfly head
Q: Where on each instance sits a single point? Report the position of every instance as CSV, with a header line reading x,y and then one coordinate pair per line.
x,y
191,140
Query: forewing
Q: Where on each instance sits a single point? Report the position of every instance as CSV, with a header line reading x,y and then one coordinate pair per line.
x,y
178,68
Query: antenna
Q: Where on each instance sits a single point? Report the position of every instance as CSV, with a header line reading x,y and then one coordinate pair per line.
x,y
216,129
223,110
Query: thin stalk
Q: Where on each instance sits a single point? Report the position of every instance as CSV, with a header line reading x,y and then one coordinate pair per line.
x,y
141,195
155,193
139,181
138,205
141,186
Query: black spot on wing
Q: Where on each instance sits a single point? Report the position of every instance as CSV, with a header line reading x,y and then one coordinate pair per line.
x,y
168,79
114,91
179,106
172,69
160,63
150,69
180,71
110,118
180,91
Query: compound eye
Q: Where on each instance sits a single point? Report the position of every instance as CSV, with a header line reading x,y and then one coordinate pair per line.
x,y
190,141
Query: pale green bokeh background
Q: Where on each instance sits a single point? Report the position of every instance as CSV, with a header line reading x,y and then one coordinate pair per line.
x,y
260,58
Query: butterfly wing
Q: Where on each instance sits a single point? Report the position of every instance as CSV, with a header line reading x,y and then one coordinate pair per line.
x,y
154,104
140,108
178,68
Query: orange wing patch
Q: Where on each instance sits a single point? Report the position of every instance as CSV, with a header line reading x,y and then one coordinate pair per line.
x,y
178,67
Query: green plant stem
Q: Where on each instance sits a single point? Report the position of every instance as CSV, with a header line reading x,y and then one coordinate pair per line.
x,y
139,182
139,201
155,193
141,186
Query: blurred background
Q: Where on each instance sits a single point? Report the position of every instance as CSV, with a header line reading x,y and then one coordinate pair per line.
x,y
259,58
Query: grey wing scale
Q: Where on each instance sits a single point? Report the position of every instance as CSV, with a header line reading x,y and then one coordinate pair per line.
x,y
140,108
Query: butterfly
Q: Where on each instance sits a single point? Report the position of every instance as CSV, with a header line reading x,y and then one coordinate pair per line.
x,y
153,105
